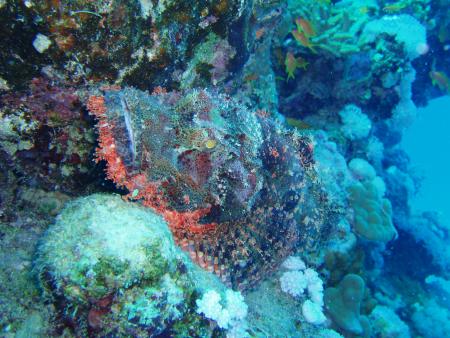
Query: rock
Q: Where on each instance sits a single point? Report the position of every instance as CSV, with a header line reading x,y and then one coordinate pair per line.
x,y
41,43
112,266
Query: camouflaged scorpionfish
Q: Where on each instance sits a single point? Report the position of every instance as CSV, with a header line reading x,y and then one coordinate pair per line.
x,y
235,186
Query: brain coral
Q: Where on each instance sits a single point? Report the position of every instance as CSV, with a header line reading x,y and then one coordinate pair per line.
x,y
237,189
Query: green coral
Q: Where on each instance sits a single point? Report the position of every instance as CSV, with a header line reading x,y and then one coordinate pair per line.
x,y
22,313
15,131
343,305
45,203
166,300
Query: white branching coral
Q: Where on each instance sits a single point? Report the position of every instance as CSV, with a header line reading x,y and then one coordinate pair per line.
x,y
294,263
300,279
230,317
355,124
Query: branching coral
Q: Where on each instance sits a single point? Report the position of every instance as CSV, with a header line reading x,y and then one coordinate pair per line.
x,y
299,279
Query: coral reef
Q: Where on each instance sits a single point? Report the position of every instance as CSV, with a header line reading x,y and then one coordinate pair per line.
x,y
335,27
299,279
47,135
372,214
230,317
120,41
219,168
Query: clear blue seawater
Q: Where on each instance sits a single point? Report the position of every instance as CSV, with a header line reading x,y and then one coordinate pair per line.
x,y
427,142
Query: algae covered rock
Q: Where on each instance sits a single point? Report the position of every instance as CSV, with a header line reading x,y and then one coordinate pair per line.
x,y
123,41
112,267
99,244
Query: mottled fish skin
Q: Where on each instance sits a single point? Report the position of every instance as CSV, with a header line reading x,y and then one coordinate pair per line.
x,y
253,205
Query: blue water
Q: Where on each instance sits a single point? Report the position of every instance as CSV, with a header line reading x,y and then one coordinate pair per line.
x,y
427,142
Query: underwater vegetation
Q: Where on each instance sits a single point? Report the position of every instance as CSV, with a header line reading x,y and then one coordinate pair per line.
x,y
218,168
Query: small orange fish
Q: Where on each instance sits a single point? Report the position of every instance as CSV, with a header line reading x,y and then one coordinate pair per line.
x,y
364,10
303,40
395,7
292,63
441,80
251,77
305,26
259,33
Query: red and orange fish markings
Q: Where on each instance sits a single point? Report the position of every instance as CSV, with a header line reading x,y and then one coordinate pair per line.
x,y
158,90
216,266
147,191
274,152
96,105
116,170
262,113
204,243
